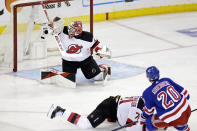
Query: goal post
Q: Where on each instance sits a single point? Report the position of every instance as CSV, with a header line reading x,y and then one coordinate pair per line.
x,y
86,18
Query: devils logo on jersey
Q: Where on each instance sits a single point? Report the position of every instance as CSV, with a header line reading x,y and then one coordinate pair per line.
x,y
74,49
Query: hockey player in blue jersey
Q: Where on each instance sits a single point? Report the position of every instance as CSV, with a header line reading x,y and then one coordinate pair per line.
x,y
166,103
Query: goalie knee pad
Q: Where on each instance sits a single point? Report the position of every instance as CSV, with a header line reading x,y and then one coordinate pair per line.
x,y
104,74
106,69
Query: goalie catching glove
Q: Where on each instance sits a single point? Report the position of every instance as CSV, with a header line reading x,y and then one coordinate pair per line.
x,y
54,28
58,25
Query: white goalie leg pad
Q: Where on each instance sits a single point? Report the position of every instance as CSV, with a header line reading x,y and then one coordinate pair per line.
x,y
63,82
55,78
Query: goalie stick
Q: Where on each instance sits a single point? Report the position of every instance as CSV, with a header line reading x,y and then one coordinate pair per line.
x,y
128,124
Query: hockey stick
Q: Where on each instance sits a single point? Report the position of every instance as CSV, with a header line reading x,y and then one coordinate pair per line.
x,y
193,110
116,129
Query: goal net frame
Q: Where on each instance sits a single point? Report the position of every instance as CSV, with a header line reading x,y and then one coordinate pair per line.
x,y
19,4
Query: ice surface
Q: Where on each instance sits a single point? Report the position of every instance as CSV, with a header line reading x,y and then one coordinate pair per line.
x,y
140,41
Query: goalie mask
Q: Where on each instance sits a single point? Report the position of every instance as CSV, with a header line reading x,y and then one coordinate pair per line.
x,y
75,29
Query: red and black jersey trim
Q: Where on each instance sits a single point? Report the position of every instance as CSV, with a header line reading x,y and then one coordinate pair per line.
x,y
95,46
73,118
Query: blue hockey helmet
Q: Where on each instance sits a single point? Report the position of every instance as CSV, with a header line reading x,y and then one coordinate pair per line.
x,y
152,73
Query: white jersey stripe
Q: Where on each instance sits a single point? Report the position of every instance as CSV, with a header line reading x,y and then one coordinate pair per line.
x,y
176,112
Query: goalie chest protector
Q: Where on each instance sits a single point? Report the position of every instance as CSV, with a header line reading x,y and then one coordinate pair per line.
x,y
78,48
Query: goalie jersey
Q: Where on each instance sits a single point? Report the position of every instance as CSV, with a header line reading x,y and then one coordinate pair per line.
x,y
79,47
168,98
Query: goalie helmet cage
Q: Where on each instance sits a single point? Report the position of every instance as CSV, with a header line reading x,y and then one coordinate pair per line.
x,y
26,3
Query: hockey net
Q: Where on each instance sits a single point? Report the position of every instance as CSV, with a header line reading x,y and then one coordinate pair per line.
x,y
24,45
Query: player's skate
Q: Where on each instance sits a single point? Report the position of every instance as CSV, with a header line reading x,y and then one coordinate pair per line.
x,y
55,111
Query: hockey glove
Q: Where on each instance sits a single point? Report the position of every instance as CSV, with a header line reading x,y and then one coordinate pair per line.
x,y
58,25
104,52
